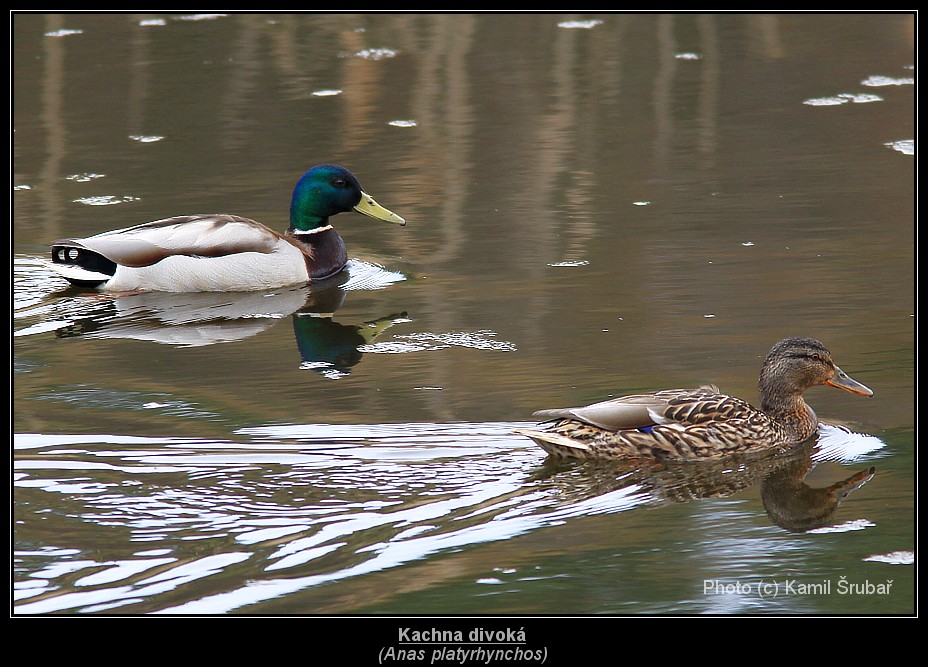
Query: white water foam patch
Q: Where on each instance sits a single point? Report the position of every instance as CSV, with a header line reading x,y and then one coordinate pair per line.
x,y
836,443
569,263
83,177
146,138
877,81
105,200
64,32
579,25
893,558
846,527
427,341
200,17
367,276
842,98
904,146
376,54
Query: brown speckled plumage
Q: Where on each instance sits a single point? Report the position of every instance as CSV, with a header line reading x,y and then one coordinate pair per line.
x,y
703,423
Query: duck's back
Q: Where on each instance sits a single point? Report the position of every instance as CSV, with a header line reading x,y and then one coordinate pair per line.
x,y
674,424
183,254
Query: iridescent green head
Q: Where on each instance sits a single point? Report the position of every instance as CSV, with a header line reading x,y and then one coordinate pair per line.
x,y
328,189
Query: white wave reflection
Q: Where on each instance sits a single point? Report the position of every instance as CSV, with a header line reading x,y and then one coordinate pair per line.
x,y
320,503
397,552
304,505
101,599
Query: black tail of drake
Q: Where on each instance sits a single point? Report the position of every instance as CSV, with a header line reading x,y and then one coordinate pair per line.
x,y
80,266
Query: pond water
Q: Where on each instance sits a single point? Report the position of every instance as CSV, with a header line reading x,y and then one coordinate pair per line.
x,y
596,205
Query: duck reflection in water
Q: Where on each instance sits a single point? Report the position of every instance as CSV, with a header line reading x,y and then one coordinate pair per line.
x,y
331,348
794,505
789,501
207,318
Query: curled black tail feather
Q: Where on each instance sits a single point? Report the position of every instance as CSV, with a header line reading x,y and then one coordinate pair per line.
x,y
85,259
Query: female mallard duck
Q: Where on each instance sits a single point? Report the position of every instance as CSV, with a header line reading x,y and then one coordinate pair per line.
x,y
692,424
224,253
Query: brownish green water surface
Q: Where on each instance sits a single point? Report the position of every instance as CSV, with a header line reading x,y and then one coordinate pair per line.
x,y
596,205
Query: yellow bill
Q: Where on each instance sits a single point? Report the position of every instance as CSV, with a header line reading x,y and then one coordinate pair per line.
x,y
367,206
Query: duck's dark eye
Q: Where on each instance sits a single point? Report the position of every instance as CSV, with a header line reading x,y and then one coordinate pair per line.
x,y
339,182
811,356
820,359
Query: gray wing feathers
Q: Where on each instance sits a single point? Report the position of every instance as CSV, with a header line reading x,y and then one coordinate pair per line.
x,y
616,414
635,411
195,235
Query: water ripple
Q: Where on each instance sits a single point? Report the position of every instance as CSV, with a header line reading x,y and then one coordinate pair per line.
x,y
291,497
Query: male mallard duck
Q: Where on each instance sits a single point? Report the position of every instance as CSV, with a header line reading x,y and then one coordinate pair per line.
x,y
692,424
224,253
